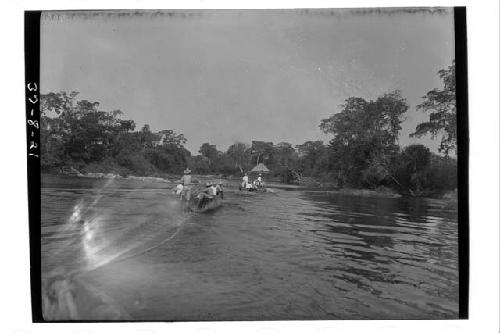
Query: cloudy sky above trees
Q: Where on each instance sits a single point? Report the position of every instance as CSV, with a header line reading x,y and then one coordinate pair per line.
x,y
226,76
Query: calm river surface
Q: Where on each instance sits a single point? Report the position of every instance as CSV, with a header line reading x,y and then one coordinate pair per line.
x,y
126,245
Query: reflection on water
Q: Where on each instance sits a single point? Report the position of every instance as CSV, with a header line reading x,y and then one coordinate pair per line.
x,y
122,249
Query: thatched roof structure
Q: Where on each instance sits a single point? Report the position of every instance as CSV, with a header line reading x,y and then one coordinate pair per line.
x,y
260,168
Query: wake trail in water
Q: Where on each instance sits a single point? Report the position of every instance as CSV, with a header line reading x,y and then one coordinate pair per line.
x,y
102,229
73,222
124,256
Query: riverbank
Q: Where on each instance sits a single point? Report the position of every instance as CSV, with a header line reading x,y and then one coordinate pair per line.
x,y
70,171
384,192
156,177
378,193
307,183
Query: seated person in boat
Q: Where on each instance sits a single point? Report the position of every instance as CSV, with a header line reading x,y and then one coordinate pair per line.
x,y
259,182
219,190
210,192
178,190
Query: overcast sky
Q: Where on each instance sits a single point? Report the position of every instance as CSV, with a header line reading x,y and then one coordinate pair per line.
x,y
226,76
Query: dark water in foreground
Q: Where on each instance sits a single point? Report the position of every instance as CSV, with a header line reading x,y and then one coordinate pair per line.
x,y
128,251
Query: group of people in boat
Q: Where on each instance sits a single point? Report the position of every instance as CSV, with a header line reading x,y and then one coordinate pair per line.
x,y
258,183
211,190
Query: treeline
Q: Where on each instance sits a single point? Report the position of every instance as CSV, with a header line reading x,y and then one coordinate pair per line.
x,y
363,152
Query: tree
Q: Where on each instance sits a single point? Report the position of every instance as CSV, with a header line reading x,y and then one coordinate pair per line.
x,y
442,175
76,132
80,125
283,161
310,153
261,151
363,120
441,103
224,165
171,138
239,155
51,144
200,164
125,145
146,137
209,151
127,126
365,134
59,103
411,168
170,155
168,158
421,172
284,155
416,157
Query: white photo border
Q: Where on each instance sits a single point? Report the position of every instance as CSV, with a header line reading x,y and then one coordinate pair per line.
x,y
483,87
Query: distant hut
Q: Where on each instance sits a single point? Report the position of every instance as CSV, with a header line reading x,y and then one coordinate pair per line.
x,y
260,168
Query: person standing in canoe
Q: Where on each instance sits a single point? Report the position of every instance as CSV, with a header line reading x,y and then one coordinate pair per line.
x,y
245,181
186,183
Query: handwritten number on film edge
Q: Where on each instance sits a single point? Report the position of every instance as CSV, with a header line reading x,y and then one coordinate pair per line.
x,y
30,88
34,125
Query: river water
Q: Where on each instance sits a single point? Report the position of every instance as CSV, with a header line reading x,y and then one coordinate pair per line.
x,y
125,249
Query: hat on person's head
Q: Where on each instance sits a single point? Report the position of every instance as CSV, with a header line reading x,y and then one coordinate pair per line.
x,y
208,184
187,171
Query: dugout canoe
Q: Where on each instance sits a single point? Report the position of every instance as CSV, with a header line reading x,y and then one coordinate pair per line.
x,y
209,205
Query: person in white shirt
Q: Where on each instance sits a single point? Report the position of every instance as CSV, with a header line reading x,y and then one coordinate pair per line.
x,y
178,189
258,182
212,190
208,193
186,184
245,181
